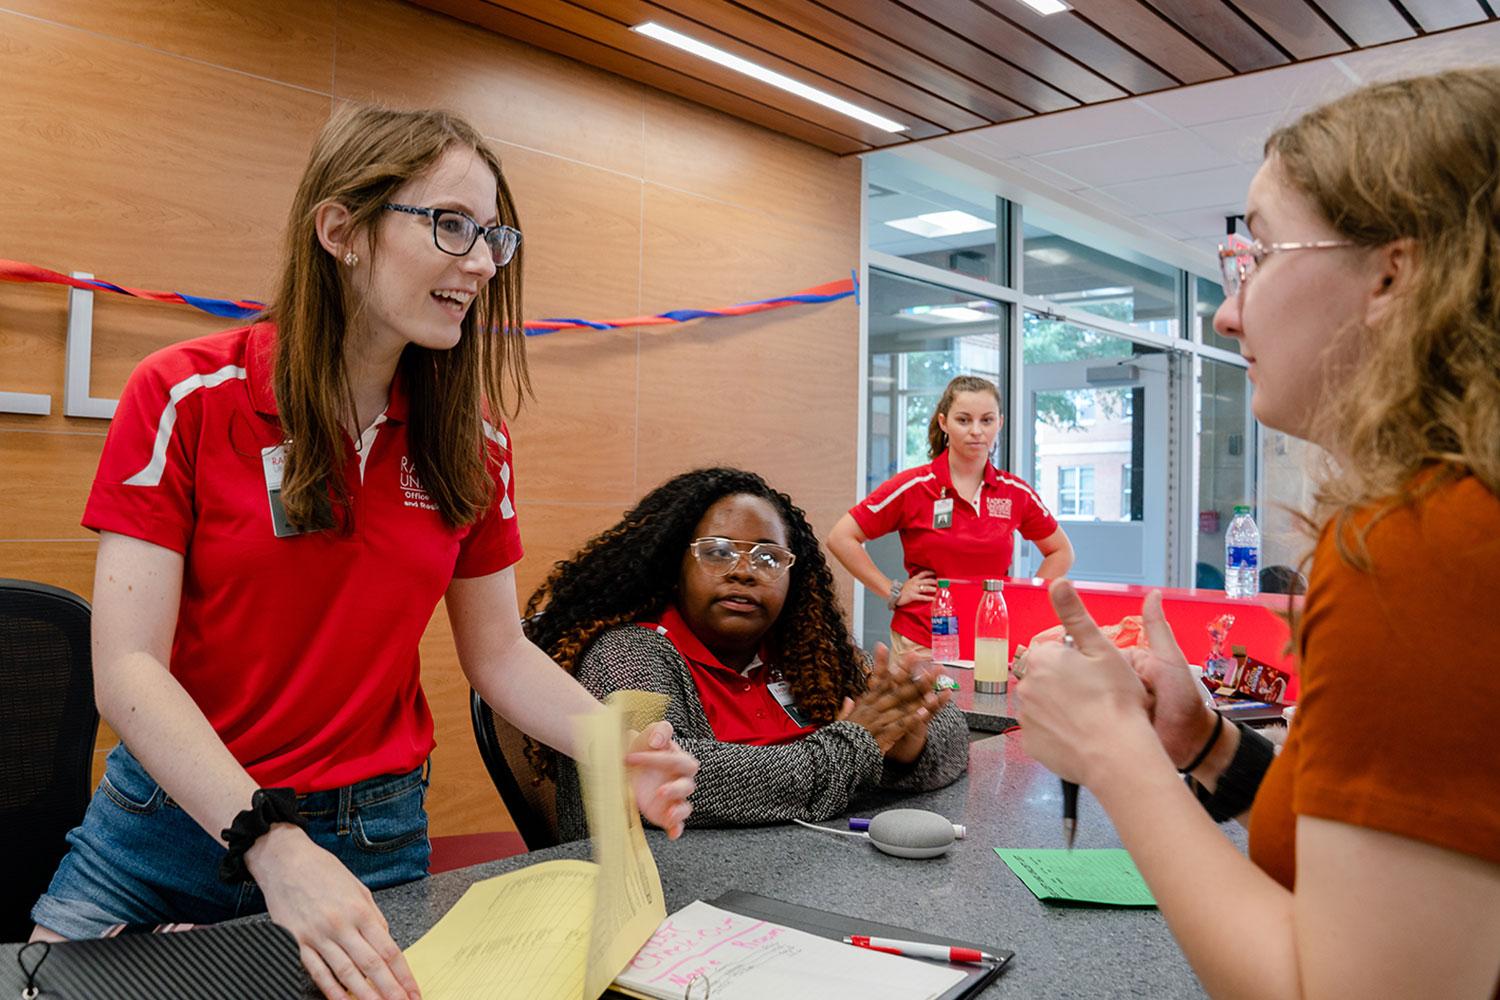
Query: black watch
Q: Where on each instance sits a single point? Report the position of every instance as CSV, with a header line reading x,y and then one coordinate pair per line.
x,y
267,806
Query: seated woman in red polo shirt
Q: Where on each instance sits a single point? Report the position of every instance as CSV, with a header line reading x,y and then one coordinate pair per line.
x,y
957,515
714,592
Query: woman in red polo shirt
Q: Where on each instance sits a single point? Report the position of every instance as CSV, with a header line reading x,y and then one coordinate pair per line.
x,y
713,591
957,515
1368,305
280,509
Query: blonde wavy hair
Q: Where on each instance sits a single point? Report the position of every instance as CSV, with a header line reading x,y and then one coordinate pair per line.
x,y
1415,159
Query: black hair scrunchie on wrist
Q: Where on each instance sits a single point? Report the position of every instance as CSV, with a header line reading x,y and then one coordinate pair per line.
x,y
267,806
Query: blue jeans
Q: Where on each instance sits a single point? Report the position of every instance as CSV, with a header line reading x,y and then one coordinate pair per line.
x,y
139,858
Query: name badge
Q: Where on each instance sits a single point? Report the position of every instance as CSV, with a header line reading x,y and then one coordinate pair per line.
x,y
782,692
942,513
273,462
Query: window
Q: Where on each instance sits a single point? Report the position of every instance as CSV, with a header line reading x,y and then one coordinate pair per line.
x,y
932,219
1210,296
922,335
1087,410
1226,469
1129,288
1125,492
1075,491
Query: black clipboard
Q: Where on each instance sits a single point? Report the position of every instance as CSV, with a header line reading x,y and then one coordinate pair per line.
x,y
836,926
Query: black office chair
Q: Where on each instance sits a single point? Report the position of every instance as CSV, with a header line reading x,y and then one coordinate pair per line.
x,y
1282,580
48,724
530,798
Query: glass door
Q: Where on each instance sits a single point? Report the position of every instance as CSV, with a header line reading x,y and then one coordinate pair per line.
x,y
1094,445
921,335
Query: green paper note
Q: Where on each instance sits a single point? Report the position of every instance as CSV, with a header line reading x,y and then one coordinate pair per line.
x,y
1092,878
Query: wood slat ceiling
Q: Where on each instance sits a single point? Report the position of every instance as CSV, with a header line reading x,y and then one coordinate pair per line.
x,y
944,66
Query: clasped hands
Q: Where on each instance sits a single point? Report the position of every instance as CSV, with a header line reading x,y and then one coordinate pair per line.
x,y
1077,704
898,704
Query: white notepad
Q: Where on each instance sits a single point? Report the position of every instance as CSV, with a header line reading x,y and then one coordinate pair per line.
x,y
745,958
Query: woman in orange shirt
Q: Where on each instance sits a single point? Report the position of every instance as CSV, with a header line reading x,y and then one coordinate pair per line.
x,y
1368,306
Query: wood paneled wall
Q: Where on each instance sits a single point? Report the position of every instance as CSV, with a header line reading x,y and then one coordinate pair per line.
x,y
157,144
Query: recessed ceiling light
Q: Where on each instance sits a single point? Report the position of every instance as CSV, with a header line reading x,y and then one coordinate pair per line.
x,y
935,224
728,59
1050,255
968,312
1046,6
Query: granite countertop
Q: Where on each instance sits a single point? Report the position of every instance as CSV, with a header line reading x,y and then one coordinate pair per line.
x,y
985,713
1006,800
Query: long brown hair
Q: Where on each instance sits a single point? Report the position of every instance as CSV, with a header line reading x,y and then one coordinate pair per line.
x,y
362,157
936,439
1415,159
630,572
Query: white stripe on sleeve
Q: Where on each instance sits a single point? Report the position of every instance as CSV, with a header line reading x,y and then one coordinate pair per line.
x,y
152,473
876,508
507,509
1022,484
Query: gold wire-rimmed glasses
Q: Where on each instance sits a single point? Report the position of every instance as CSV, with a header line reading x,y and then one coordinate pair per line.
x,y
1238,262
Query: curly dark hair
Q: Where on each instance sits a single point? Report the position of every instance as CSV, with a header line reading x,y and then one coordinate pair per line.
x,y
629,573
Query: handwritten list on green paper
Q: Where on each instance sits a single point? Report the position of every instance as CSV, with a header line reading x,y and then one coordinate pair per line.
x,y
1089,878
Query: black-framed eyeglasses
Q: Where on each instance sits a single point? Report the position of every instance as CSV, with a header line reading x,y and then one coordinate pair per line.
x,y
721,555
1237,263
453,232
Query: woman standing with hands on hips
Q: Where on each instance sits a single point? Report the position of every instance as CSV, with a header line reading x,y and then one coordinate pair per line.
x,y
957,515
1368,305
280,508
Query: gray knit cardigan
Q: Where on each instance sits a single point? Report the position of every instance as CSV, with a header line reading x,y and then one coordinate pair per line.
x,y
811,778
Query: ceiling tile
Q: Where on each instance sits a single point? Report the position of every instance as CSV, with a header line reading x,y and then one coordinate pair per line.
x,y
1273,90
1201,223
1176,192
1135,159
1068,129
1244,139
1042,172
1474,46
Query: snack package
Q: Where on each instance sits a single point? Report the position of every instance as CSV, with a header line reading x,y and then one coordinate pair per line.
x,y
1263,682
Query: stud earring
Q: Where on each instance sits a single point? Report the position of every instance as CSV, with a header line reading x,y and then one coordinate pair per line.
x,y
350,258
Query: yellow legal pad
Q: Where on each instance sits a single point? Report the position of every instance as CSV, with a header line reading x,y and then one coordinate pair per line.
x,y
560,930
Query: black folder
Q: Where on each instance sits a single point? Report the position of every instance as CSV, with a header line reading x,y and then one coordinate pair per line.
x,y
241,961
836,927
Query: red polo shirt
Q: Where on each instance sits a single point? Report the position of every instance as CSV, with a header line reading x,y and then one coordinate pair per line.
x,y
740,706
301,651
977,546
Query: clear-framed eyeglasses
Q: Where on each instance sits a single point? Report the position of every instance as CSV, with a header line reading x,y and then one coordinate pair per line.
x,y
453,232
721,555
1239,261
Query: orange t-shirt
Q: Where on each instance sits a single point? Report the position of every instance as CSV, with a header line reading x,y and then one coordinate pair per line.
x,y
1395,729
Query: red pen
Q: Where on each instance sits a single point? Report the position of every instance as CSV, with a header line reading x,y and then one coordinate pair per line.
x,y
917,949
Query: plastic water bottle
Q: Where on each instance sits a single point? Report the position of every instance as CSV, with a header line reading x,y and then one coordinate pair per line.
x,y
944,626
1242,555
991,641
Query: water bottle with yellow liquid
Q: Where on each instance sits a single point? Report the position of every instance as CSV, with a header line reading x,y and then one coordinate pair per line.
x,y
991,641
